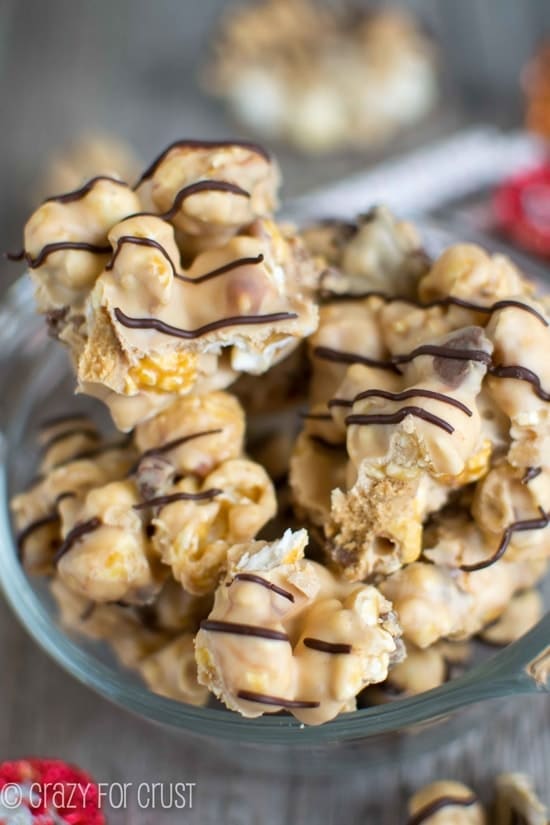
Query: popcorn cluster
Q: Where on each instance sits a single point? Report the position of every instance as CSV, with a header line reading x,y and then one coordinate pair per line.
x,y
419,482
175,285
323,76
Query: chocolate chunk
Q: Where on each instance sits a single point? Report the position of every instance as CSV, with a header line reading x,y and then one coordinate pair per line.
x,y
453,371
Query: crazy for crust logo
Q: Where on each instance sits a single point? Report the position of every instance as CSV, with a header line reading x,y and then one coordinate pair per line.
x,y
47,792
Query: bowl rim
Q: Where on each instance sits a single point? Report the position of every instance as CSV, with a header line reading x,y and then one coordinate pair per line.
x,y
501,675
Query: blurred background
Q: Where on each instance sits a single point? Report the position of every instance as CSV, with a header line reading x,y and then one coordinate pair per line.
x,y
130,67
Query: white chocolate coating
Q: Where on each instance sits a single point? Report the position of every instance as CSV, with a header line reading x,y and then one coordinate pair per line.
x,y
296,605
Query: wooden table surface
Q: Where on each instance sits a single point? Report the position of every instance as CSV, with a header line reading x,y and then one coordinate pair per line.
x,y
54,80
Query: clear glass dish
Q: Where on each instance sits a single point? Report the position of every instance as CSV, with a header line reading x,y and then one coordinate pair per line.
x,y
36,382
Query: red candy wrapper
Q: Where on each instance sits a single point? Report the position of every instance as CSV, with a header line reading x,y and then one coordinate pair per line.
x,y
522,209
47,792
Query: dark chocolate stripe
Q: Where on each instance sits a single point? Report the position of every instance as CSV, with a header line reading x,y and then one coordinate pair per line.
x,y
50,248
188,334
15,256
77,194
87,612
221,270
521,374
340,402
441,351
199,187
530,474
316,416
414,392
78,531
21,538
449,300
438,804
250,577
266,699
327,647
515,527
161,501
190,190
90,432
243,630
201,144
64,495
53,420
342,357
518,818
214,273
95,452
397,417
177,442
324,442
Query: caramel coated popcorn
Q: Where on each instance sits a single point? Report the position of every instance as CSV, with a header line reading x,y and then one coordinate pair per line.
x,y
322,77
284,559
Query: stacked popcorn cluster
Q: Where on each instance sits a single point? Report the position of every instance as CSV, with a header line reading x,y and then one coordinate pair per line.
x,y
323,75
420,483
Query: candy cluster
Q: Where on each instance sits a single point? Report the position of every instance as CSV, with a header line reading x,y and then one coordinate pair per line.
x,y
214,545
322,75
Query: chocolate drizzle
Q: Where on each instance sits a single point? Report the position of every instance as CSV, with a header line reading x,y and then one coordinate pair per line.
x,y
96,451
327,647
449,300
77,194
243,630
316,416
521,374
397,417
161,501
50,248
530,474
201,144
207,276
197,188
436,350
190,334
250,577
177,442
266,699
74,535
515,527
414,392
518,818
342,357
88,611
438,804
328,445
53,420
441,351
88,432
37,524
66,494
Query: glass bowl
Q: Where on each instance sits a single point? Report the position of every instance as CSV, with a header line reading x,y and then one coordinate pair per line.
x,y
36,379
